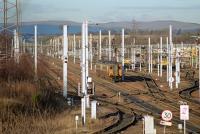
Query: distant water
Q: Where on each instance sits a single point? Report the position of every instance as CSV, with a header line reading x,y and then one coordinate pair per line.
x,y
43,29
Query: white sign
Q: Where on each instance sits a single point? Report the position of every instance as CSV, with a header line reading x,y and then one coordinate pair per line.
x,y
166,123
166,115
184,112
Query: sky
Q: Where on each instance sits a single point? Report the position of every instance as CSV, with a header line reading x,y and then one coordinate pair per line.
x,y
111,10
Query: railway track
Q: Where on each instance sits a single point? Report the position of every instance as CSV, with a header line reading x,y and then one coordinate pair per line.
x,y
125,119
149,107
145,105
186,93
153,88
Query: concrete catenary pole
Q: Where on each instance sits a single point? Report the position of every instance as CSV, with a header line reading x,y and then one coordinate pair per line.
x,y
192,56
140,59
91,55
177,67
161,51
83,75
100,45
132,57
158,60
84,69
122,54
196,57
65,60
199,71
167,58
41,49
149,51
87,49
35,51
74,49
109,45
151,58
16,46
171,79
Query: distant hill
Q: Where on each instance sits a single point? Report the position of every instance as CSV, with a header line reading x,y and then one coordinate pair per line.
x,y
55,27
